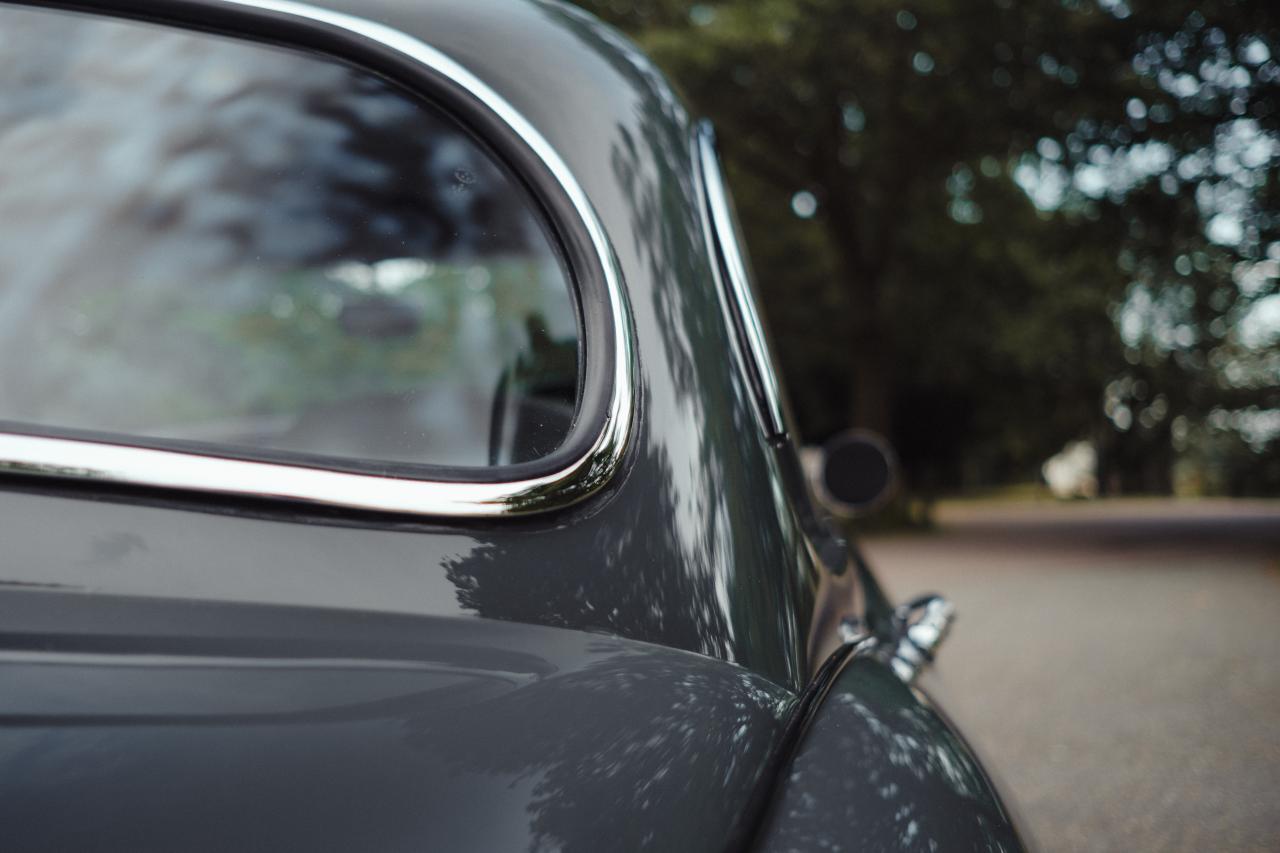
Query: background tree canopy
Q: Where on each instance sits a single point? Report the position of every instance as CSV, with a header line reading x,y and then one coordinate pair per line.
x,y
987,228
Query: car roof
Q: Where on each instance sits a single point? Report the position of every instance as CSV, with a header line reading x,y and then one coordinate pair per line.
x,y
577,80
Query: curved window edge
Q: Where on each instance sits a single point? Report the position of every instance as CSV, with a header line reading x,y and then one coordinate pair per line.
x,y
570,482
734,285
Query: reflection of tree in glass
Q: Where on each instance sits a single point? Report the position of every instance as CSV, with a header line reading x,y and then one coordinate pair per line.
x,y
249,222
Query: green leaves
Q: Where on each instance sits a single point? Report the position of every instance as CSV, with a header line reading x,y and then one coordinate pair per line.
x,y
985,187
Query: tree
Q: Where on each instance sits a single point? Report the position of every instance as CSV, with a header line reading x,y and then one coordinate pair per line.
x,y
987,228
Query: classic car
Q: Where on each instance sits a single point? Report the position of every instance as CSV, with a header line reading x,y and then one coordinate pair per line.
x,y
392,458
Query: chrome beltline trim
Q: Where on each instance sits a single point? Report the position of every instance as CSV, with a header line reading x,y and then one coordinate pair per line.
x,y
739,286
116,463
737,342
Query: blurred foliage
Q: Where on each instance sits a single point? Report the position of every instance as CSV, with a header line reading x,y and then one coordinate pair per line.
x,y
987,227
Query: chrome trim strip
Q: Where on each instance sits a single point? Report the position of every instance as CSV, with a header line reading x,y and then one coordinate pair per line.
x,y
737,342
100,461
739,284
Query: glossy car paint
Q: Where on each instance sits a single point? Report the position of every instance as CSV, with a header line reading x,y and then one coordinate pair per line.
x,y
694,544
158,725
881,769
187,672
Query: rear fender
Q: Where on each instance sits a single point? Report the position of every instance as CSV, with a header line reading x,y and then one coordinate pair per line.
x,y
880,768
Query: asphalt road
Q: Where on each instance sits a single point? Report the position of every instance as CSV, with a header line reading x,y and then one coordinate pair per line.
x,y
1117,664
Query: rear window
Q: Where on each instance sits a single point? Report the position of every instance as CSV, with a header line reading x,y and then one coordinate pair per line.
x,y
219,244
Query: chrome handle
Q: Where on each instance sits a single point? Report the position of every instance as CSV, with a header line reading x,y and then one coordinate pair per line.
x,y
922,625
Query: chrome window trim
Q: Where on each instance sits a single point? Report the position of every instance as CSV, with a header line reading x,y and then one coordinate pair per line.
x,y
22,453
734,286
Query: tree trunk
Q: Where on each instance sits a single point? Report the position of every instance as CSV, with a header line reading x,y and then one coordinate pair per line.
x,y
872,383
870,363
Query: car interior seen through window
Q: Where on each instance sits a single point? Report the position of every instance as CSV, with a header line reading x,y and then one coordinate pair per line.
x,y
218,244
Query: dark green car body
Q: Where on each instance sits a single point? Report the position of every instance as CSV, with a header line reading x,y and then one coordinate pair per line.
x,y
685,658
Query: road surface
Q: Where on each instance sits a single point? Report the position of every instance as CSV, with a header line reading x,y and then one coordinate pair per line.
x,y
1116,663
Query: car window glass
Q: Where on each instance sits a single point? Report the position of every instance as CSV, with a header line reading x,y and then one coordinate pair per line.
x,y
211,241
